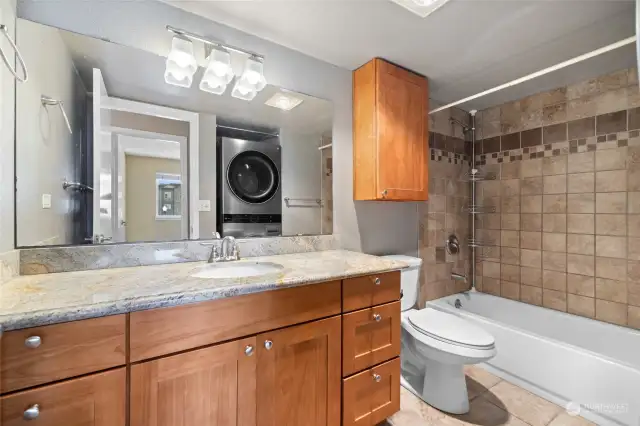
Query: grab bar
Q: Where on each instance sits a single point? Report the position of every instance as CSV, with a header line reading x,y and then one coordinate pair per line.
x,y
46,100
76,185
5,31
317,202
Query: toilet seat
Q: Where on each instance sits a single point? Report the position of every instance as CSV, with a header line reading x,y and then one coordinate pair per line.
x,y
450,329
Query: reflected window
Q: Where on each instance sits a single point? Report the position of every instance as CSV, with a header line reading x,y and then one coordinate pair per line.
x,y
168,196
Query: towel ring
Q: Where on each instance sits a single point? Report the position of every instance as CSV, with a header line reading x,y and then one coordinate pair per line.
x,y
5,31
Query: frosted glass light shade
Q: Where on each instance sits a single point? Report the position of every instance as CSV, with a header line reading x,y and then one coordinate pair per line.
x,y
212,83
244,90
220,64
181,63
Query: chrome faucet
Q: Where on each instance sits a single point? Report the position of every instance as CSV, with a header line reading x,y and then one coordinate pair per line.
x,y
224,248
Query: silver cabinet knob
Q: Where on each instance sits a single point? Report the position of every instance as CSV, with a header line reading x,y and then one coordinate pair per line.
x,y
377,317
377,281
32,412
377,377
33,342
384,193
248,350
268,344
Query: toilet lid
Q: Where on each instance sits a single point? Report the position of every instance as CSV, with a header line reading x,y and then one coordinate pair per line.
x,y
450,328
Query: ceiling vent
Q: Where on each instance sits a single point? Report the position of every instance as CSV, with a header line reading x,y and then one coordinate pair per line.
x,y
422,8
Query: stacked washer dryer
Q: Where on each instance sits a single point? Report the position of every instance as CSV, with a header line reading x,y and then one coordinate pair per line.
x,y
249,194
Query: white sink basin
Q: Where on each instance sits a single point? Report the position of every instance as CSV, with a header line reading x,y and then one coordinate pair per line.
x,y
237,269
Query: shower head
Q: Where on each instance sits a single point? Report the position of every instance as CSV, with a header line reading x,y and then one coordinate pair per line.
x,y
465,128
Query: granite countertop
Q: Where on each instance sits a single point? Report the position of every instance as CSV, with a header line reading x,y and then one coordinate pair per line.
x,y
36,300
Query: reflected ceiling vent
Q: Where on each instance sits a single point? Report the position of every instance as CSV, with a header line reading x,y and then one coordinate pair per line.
x,y
284,100
422,8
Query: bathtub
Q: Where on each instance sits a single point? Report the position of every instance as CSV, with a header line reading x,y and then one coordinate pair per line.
x,y
561,357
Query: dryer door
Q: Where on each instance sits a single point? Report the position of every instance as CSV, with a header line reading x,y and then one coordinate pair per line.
x,y
253,177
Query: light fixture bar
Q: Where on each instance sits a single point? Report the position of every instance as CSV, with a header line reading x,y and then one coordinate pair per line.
x,y
209,42
536,74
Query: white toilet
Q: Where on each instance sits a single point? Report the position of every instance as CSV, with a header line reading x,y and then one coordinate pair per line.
x,y
436,346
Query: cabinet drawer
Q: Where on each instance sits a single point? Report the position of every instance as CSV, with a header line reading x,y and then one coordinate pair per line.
x,y
96,400
163,331
371,396
371,290
370,336
38,355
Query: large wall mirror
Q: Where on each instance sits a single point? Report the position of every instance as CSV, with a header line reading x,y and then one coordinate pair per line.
x,y
110,150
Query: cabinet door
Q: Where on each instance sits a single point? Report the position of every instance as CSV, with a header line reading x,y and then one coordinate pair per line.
x,y
96,400
299,375
370,336
210,386
373,395
403,133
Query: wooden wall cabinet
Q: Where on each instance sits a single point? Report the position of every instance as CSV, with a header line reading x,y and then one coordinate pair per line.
x,y
390,133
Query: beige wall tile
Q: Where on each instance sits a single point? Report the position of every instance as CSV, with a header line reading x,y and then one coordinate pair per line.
x,y
510,239
554,165
607,246
531,240
554,280
615,269
611,224
611,181
531,168
581,244
510,188
611,159
581,108
490,221
491,286
531,222
583,162
581,203
613,202
554,242
581,284
633,293
581,264
633,271
490,188
615,291
490,122
493,204
510,170
554,184
554,114
531,204
531,186
580,182
633,225
554,203
510,273
554,300
510,290
553,261
531,276
633,251
634,202
510,255
511,221
611,312
491,270
633,317
581,305
531,258
554,222
531,295
633,178
511,204
581,223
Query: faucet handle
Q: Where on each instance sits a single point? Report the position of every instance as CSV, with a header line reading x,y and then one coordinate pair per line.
x,y
216,235
235,254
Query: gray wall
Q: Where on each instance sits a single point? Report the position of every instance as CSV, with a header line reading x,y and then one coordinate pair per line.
x,y
370,227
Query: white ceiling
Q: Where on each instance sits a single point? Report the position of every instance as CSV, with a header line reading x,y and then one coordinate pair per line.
x,y
465,47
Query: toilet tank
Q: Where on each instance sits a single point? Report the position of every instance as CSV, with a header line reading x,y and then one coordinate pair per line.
x,y
409,279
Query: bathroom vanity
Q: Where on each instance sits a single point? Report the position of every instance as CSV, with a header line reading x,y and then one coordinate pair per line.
x,y
320,347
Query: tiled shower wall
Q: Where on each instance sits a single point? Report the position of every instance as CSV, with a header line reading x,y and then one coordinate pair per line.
x,y
444,213
562,219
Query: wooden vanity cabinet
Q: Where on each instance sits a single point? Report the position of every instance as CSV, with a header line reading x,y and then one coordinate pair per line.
x,y
390,133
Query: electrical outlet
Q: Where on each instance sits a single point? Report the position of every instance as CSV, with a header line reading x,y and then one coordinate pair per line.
x,y
204,206
46,201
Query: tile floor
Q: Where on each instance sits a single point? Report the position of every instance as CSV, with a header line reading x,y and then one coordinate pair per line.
x,y
494,402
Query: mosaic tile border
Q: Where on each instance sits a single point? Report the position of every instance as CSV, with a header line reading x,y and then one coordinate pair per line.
x,y
592,143
449,157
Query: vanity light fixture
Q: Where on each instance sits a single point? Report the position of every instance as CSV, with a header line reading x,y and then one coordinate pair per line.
x,y
181,63
251,81
218,73
422,8
284,101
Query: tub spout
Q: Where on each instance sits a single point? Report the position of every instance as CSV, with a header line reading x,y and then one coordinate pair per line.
x,y
458,277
